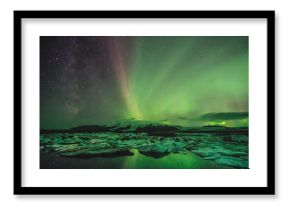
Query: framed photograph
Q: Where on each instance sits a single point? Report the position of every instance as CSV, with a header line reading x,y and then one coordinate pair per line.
x,y
144,102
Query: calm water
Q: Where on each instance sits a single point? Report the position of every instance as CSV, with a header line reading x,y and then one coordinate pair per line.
x,y
137,161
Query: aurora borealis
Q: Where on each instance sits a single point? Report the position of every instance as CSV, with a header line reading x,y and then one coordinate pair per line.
x,y
182,80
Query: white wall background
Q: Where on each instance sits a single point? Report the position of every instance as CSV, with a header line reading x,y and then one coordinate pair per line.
x,y
282,98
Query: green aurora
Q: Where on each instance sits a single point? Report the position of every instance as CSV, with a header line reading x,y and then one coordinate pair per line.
x,y
182,80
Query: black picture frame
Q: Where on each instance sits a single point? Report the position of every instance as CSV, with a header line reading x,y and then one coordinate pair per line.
x,y
269,189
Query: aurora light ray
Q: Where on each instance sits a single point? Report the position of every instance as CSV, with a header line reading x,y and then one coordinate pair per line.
x,y
115,54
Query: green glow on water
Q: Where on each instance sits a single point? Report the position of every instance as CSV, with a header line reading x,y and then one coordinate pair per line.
x,y
171,161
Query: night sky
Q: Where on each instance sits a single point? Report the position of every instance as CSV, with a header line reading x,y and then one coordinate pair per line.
x,y
188,81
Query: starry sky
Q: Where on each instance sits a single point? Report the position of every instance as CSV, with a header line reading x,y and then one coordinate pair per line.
x,y
181,80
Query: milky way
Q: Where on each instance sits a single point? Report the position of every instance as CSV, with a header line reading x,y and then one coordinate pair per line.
x,y
174,80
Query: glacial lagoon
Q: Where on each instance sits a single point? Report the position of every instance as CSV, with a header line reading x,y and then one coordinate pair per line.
x,y
214,148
